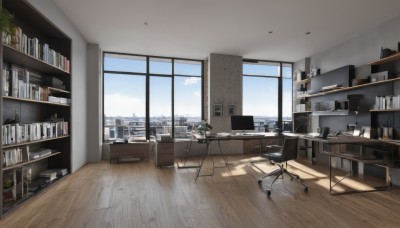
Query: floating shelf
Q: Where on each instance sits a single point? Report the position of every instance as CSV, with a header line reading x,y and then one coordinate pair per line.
x,y
384,110
32,142
302,112
386,60
303,81
353,87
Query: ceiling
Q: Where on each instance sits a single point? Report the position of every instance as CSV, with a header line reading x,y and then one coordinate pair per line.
x,y
257,29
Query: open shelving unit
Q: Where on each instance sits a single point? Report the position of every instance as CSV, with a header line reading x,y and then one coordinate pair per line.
x,y
41,75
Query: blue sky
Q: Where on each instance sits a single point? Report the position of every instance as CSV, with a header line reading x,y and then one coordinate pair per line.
x,y
124,95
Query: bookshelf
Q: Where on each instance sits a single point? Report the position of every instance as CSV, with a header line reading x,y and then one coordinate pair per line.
x,y
35,104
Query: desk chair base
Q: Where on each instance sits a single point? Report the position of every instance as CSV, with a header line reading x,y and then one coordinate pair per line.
x,y
279,173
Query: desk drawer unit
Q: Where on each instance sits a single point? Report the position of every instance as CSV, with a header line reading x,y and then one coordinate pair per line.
x,y
164,154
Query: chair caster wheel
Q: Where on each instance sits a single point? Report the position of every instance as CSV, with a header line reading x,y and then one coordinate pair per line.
x,y
268,192
259,181
297,177
305,189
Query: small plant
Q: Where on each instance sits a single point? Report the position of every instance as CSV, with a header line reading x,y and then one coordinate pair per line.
x,y
204,126
6,25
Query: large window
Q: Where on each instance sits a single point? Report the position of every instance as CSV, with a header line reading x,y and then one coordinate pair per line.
x,y
145,96
267,94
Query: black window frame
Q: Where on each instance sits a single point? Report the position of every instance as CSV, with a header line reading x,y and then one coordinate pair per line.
x,y
280,85
148,75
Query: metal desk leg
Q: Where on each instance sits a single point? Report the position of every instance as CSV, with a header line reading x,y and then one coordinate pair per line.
x,y
187,150
202,161
223,155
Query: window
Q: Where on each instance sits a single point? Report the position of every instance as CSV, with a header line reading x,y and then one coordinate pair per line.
x,y
145,96
261,94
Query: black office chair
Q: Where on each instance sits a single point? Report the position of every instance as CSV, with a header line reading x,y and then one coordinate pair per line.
x,y
288,152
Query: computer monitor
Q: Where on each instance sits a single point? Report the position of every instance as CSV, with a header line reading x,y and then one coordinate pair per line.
x,y
242,124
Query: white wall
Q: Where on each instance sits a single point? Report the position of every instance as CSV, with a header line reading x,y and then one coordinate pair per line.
x,y
94,108
78,67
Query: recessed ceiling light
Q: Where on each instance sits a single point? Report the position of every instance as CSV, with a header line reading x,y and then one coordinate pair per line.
x,y
308,33
146,23
270,32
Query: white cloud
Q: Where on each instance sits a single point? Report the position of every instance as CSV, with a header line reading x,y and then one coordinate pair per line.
x,y
191,81
121,105
197,94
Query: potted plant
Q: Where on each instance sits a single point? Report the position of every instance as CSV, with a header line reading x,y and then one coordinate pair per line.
x,y
6,25
204,128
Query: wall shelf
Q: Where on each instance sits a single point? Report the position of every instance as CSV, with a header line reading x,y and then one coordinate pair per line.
x,y
384,110
303,81
353,87
386,60
302,112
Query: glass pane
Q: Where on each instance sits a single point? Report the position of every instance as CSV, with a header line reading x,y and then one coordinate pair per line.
x,y
124,106
125,63
187,105
160,66
190,68
261,69
287,70
260,99
160,105
287,104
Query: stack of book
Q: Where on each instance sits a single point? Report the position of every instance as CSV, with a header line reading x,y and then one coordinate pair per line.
x,y
39,153
48,175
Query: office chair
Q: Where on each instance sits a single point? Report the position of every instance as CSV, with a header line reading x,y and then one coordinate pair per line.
x,y
288,152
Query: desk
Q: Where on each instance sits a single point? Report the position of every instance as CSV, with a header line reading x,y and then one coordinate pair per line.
x,y
335,141
218,139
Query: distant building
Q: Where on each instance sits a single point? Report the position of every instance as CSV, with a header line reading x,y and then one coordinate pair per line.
x,y
119,122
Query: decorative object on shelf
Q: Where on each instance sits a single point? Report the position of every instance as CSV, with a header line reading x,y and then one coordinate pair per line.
x,y
218,110
204,128
231,110
315,71
386,52
5,22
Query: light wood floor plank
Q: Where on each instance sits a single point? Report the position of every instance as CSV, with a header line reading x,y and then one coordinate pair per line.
x,y
140,195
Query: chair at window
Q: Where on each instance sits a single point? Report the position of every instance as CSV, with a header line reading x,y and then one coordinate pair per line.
x,y
288,152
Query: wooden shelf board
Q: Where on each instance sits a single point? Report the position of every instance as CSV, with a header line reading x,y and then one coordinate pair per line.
x,y
303,81
35,101
302,112
386,60
302,96
58,90
29,162
14,56
384,110
353,87
32,142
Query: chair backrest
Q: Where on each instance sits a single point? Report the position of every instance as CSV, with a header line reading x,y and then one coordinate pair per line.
x,y
290,149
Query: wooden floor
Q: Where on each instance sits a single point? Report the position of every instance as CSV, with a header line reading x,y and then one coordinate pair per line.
x,y
140,195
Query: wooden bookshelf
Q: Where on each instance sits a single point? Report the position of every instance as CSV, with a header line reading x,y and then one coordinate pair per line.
x,y
52,46
385,60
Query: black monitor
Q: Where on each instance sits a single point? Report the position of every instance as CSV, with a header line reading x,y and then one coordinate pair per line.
x,y
242,124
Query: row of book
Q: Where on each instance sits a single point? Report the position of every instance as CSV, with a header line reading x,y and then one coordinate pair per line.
x,y
23,154
19,133
21,83
32,46
387,102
